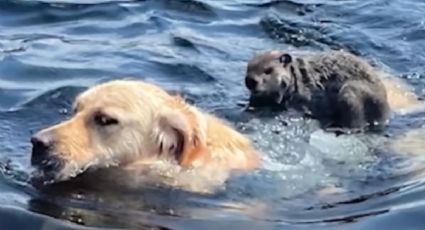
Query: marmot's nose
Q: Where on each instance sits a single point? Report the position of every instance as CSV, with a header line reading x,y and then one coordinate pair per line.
x,y
251,83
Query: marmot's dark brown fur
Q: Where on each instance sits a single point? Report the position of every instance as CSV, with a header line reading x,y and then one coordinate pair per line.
x,y
340,90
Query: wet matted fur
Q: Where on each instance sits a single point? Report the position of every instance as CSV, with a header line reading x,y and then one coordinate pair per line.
x,y
339,89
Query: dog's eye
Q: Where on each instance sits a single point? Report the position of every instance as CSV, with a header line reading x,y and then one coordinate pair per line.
x,y
104,120
75,109
268,70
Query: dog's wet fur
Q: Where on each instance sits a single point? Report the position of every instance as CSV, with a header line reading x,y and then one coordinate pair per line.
x,y
139,127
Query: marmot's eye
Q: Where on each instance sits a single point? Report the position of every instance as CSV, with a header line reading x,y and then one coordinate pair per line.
x,y
104,120
268,70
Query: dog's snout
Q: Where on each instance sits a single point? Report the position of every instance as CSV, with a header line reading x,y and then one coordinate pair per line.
x,y
41,141
251,83
42,144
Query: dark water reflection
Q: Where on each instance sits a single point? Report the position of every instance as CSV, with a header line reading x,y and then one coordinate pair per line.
x,y
51,50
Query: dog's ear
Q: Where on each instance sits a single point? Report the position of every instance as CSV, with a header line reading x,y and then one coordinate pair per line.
x,y
176,137
285,59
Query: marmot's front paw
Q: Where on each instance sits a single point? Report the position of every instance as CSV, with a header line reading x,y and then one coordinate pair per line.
x,y
343,131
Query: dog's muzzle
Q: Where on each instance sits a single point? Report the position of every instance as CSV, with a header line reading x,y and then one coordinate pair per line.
x,y
46,162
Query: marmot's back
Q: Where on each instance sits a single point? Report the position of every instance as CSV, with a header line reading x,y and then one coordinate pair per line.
x,y
341,66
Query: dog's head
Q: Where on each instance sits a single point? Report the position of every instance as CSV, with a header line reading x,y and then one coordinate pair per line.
x,y
269,77
115,123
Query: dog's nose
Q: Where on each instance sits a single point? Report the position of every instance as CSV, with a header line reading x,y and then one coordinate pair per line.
x,y
41,144
251,83
41,141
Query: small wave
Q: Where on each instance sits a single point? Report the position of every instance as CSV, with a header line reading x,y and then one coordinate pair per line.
x,y
60,98
299,34
195,7
15,68
183,71
190,39
39,12
184,42
288,6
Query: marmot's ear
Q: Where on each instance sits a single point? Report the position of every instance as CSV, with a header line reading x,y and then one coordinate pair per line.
x,y
285,59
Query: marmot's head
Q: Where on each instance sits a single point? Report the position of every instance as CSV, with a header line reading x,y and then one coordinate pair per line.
x,y
269,79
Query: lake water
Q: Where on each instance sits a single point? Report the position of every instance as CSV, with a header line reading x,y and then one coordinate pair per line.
x,y
51,50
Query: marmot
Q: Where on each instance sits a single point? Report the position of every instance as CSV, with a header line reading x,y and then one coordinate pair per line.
x,y
340,90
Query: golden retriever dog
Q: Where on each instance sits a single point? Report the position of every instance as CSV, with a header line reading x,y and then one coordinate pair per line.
x,y
135,125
